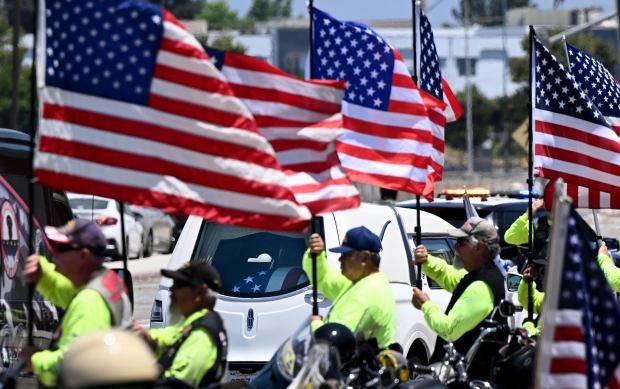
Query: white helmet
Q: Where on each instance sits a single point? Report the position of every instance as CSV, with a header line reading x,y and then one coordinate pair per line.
x,y
107,358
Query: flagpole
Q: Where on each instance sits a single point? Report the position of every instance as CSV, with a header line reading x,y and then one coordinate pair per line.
x,y
414,76
530,183
124,253
553,277
314,222
33,132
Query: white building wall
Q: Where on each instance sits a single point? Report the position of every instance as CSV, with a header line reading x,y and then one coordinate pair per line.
x,y
486,46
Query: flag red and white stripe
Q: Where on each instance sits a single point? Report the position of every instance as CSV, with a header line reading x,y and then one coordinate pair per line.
x,y
193,148
387,139
392,149
580,339
584,197
453,110
431,81
572,139
301,119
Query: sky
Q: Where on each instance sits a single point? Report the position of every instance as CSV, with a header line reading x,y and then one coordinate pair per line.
x,y
438,11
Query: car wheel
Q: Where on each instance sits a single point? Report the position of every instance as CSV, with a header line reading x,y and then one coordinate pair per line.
x,y
128,248
148,245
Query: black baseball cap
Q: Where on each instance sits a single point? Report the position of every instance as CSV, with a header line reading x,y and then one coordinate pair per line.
x,y
196,275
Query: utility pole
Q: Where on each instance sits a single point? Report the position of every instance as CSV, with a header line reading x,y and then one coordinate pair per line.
x,y
505,137
16,66
468,97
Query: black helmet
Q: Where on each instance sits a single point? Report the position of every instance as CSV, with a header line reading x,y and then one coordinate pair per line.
x,y
338,336
516,370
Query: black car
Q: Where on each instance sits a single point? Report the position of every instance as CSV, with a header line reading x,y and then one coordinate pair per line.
x,y
500,210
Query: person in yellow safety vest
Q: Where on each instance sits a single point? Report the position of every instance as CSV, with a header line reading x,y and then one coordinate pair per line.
x,y
476,289
93,297
516,234
361,295
611,271
538,297
193,352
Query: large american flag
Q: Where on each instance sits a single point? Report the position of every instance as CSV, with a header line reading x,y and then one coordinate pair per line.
x,y
133,109
387,138
580,345
301,119
604,91
572,139
431,81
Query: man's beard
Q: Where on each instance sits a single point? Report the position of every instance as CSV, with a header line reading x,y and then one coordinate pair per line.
x,y
457,262
175,313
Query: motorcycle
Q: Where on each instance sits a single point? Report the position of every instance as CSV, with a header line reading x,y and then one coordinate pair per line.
x,y
507,355
332,357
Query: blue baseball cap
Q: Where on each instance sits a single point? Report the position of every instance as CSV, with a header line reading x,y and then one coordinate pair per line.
x,y
358,239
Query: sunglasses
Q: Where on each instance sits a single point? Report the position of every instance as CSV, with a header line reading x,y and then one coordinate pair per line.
x,y
462,241
64,248
177,284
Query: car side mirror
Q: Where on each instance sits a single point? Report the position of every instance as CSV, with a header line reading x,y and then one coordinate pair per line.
x,y
512,281
612,243
506,308
125,274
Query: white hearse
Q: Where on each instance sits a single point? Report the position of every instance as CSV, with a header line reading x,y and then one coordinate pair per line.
x,y
266,294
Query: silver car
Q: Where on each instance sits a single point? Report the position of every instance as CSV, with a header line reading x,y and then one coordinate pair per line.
x,y
159,230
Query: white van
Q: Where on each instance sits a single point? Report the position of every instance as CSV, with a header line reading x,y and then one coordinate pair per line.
x,y
266,294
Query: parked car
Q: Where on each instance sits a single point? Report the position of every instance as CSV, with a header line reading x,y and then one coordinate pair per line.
x,y
266,294
159,230
51,207
106,213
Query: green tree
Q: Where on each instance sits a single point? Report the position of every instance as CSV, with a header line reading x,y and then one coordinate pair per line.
x,y
26,14
182,9
484,116
600,49
221,17
487,12
263,10
6,86
227,43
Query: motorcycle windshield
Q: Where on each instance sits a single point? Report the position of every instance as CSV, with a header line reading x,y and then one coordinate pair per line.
x,y
292,354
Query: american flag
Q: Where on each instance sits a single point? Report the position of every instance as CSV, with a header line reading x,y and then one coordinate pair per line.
x,y
387,138
604,91
270,281
572,139
580,345
431,81
301,119
133,109
597,82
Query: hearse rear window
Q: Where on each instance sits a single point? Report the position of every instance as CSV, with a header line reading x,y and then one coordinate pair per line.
x,y
253,263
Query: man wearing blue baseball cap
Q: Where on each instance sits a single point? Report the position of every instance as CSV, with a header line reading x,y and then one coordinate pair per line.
x,y
361,294
93,297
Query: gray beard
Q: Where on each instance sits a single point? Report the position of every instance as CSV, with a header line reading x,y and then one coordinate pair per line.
x,y
457,261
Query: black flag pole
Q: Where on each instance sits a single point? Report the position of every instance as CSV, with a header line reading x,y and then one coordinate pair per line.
x,y
530,183
33,133
314,223
414,75
124,252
